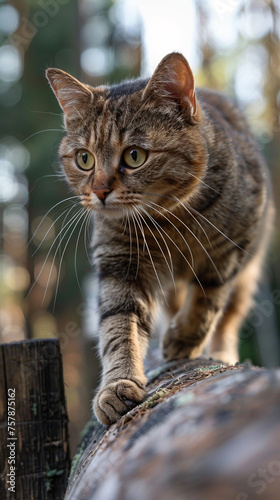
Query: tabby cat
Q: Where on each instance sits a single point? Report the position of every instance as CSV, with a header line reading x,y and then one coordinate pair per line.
x,y
182,216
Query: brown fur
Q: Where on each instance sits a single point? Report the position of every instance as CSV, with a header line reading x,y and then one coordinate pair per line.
x,y
197,211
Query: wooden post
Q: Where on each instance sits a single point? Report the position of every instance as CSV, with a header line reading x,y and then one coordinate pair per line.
x,y
34,451
206,431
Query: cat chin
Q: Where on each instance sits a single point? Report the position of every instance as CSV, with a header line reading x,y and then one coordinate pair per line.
x,y
110,213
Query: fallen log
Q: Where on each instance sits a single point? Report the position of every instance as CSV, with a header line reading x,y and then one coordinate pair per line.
x,y
205,431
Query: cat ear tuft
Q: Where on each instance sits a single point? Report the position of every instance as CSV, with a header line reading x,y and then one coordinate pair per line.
x,y
173,80
73,96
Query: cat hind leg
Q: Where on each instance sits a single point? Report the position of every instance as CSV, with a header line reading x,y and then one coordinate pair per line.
x,y
224,344
191,327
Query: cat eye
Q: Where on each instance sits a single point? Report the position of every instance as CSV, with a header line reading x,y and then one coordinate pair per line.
x,y
84,159
134,157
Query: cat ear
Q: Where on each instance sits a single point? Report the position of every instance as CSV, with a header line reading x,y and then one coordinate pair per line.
x,y
173,80
73,97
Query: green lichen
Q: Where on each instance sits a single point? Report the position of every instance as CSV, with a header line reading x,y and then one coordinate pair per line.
x,y
48,485
92,427
50,473
210,368
153,400
184,399
34,409
76,458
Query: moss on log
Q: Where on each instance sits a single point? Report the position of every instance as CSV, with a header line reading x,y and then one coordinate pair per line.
x,y
205,431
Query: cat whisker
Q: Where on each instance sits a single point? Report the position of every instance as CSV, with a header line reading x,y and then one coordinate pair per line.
x,y
47,113
195,219
41,131
87,237
184,257
62,226
207,220
157,226
47,256
205,184
50,228
59,176
130,245
124,221
194,236
138,219
75,222
71,222
217,229
160,231
76,249
48,212
172,224
137,244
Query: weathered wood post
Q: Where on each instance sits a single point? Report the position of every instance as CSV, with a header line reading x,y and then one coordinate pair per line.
x,y
206,431
34,451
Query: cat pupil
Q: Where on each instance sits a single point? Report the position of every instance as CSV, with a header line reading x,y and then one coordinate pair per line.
x,y
134,154
85,158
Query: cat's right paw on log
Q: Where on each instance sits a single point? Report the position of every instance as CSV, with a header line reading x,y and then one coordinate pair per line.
x,y
116,399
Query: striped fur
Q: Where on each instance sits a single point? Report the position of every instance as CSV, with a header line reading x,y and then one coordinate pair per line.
x,y
197,213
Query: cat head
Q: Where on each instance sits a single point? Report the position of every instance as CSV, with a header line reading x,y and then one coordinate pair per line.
x,y
134,143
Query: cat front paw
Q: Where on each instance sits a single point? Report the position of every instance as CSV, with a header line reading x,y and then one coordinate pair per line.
x,y
116,399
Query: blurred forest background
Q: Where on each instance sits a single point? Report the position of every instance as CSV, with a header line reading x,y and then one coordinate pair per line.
x,y
45,273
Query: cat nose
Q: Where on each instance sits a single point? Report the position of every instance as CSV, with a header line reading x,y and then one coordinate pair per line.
x,y
101,193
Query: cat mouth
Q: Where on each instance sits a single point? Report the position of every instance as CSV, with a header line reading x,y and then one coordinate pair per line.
x,y
111,209
116,212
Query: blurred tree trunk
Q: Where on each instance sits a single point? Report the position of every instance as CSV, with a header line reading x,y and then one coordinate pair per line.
x,y
206,431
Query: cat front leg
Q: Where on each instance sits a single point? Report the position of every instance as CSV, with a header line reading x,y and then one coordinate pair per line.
x,y
195,322
124,333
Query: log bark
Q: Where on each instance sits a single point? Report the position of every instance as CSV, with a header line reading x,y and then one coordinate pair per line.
x,y
206,431
33,421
